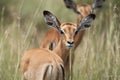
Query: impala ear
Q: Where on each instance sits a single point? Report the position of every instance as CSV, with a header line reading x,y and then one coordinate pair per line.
x,y
71,5
51,20
97,4
85,23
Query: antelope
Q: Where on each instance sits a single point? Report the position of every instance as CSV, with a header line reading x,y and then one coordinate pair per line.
x,y
44,64
50,42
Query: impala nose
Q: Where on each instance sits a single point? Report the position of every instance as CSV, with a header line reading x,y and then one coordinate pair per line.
x,y
71,43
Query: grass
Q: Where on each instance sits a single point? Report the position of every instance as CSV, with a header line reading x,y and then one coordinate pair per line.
x,y
97,57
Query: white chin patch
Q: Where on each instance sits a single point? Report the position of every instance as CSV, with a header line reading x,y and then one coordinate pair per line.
x,y
69,45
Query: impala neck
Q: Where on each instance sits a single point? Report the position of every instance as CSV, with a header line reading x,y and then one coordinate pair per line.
x,y
61,50
79,36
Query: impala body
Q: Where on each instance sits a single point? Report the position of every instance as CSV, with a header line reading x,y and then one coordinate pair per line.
x,y
40,64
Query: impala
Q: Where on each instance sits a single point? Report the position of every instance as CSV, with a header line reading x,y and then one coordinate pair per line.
x,y
50,42
44,64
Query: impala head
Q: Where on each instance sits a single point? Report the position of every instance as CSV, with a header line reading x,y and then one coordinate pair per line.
x,y
84,9
68,30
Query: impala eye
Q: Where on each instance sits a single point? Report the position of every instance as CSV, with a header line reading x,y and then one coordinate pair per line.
x,y
62,31
76,32
79,11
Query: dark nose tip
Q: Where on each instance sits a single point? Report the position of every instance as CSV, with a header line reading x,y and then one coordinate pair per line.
x,y
70,42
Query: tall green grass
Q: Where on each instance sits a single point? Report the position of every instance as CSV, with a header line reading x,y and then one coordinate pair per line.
x,y
97,57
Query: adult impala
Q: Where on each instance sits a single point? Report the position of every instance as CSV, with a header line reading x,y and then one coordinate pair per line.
x,y
44,64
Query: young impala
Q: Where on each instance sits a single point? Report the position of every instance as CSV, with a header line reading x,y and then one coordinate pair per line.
x,y
50,42
44,64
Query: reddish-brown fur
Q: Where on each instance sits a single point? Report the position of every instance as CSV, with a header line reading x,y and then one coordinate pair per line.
x,y
55,37
36,62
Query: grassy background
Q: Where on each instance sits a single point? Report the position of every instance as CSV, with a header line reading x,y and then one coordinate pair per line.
x,y
22,27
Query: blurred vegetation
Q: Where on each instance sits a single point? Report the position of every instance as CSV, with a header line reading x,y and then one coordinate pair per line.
x,y
22,27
